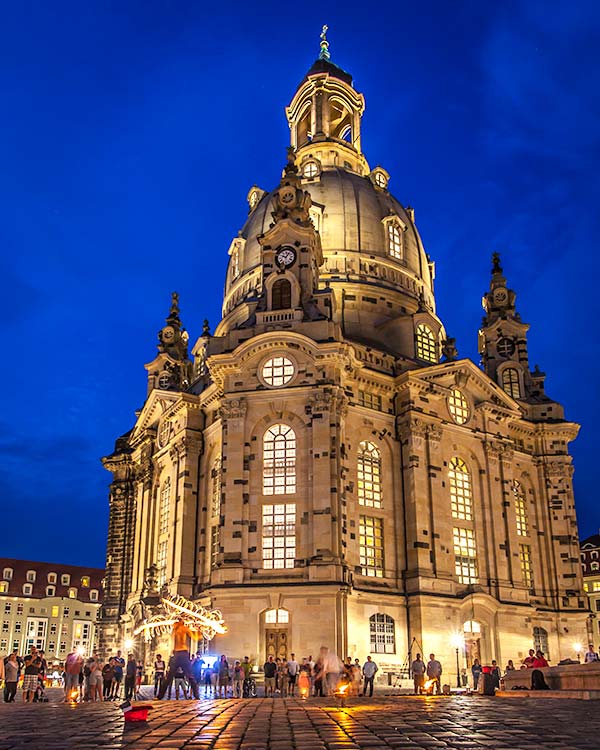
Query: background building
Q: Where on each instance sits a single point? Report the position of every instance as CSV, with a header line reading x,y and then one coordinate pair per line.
x,y
50,606
325,469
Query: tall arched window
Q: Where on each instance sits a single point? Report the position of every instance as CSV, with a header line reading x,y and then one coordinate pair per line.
x,y
426,343
383,634
235,263
511,383
395,241
165,506
215,479
281,295
520,509
461,493
369,475
279,460
540,641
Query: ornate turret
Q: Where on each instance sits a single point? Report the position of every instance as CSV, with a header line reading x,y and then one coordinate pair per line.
x,y
503,350
171,369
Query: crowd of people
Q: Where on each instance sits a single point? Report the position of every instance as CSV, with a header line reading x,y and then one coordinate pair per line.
x,y
282,677
118,678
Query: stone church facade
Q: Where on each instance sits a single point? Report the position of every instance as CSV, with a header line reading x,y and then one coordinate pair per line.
x,y
324,469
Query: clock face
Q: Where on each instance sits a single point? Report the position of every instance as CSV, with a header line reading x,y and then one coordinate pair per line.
x,y
505,347
168,333
285,257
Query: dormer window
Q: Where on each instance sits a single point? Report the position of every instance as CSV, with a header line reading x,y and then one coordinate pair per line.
x,y
426,344
51,577
50,590
31,576
65,579
72,593
27,589
394,240
85,582
310,169
3,587
7,574
93,595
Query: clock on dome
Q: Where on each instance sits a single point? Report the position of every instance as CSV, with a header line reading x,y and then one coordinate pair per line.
x,y
285,257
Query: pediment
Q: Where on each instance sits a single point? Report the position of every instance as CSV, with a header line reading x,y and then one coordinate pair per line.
x,y
156,405
469,378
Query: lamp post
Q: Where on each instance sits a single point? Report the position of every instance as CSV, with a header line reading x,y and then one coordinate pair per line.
x,y
577,648
458,642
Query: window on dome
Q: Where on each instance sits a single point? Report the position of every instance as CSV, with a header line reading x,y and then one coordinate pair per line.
x,y
278,371
380,180
511,383
461,493
303,130
281,295
310,169
395,241
369,475
235,263
279,460
426,343
340,121
458,406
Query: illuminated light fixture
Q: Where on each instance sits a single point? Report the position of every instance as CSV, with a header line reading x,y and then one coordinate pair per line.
x,y
128,643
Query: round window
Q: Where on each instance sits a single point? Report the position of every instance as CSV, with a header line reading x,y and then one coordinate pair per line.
x,y
380,180
458,406
278,371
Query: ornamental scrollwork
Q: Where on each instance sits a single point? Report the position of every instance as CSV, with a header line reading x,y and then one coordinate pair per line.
x,y
234,408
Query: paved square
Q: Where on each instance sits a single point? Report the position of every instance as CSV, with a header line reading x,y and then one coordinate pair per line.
x,y
403,723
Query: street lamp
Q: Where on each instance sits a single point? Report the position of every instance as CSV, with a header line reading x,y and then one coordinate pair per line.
x,y
457,641
577,648
128,643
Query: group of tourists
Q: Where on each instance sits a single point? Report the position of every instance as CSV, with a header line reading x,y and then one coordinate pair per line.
x,y
283,677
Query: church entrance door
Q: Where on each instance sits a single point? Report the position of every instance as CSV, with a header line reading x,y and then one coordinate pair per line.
x,y
276,642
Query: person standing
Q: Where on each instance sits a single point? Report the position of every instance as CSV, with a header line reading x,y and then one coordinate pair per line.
x,y
369,670
248,686
11,676
529,659
356,677
270,670
95,680
540,660
30,680
434,672
159,673
238,679
130,675
591,655
418,674
118,666
292,667
73,664
224,676
179,682
476,670
108,673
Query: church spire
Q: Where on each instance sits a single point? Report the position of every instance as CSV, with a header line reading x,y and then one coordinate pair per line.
x,y
171,369
503,349
324,53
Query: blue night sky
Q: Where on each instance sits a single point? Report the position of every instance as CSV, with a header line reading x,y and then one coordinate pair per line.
x,y
131,133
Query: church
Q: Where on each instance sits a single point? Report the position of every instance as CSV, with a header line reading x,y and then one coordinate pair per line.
x,y
323,468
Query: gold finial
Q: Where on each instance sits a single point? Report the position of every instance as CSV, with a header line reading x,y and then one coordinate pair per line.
x,y
324,54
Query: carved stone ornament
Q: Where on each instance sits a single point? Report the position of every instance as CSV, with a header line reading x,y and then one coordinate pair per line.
x,y
492,449
434,433
234,408
320,401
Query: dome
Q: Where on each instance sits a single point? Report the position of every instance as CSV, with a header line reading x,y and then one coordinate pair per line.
x,y
351,214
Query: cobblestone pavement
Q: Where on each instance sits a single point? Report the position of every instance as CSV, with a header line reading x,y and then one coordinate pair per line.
x,y
403,723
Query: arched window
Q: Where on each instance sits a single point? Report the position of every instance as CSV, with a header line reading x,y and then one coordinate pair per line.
x,y
215,478
395,241
165,507
340,121
383,634
520,509
281,295
279,460
461,493
540,641
458,406
511,383
369,475
426,343
303,129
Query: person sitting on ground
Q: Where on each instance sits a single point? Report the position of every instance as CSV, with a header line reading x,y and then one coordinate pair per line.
x,y
537,680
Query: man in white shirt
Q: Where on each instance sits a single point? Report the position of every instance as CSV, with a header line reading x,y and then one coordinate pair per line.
x,y
369,669
293,668
591,655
